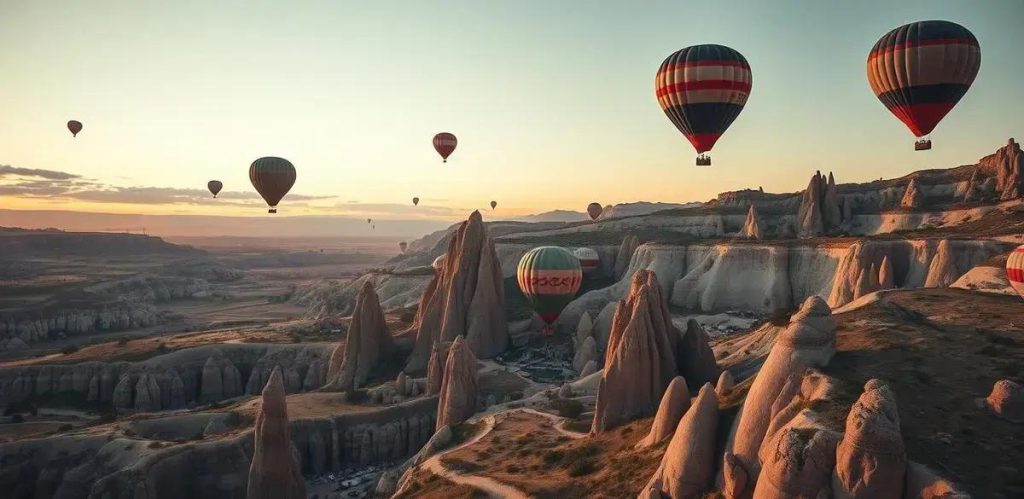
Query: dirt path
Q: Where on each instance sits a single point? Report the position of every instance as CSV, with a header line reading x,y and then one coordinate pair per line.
x,y
489,486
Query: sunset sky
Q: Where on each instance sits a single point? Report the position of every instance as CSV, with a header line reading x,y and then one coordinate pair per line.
x,y
553,102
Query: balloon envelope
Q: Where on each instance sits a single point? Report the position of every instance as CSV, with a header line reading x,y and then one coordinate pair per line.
x,y
589,259
921,70
403,245
1015,269
549,277
594,210
444,144
702,90
74,127
494,204
214,186
272,177
415,201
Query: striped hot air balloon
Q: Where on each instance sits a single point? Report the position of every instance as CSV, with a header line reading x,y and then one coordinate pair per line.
x,y
702,90
921,70
74,126
594,210
589,259
272,177
1015,269
444,144
549,277
214,186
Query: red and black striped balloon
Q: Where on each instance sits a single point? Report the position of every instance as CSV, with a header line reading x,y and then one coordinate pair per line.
x,y
921,70
702,89
444,144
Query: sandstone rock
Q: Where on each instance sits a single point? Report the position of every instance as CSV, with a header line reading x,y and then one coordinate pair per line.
x,y
808,341
885,274
752,226
588,369
274,473
220,379
942,272
831,216
124,392
625,254
870,460
725,384
584,330
809,220
674,404
688,466
435,369
734,477
913,198
799,464
147,394
586,353
972,191
694,356
1007,400
923,483
468,300
640,360
458,396
1009,165
564,391
402,384
354,361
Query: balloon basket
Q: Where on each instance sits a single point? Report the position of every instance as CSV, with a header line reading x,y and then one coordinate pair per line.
x,y
703,160
272,210
923,145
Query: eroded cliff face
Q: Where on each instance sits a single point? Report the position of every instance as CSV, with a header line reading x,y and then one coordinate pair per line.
x,y
767,277
108,465
171,381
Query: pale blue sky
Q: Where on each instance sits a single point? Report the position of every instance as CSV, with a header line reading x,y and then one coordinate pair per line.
x,y
553,102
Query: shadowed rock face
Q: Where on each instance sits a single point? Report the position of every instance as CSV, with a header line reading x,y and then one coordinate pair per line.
x,y
274,473
626,249
871,461
221,379
688,466
458,387
468,299
1008,162
435,369
368,341
808,341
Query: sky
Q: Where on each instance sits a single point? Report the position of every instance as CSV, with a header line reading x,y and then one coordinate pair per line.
x,y
553,102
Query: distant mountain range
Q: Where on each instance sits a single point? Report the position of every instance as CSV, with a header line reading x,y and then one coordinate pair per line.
x,y
615,211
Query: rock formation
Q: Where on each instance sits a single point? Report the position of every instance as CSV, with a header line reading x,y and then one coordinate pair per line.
x,y
752,227
885,274
1009,166
688,466
870,460
1007,400
625,254
458,386
274,473
674,404
435,368
468,300
973,190
799,460
584,330
645,352
586,352
725,384
819,207
353,362
734,477
639,361
220,379
942,271
913,198
588,369
808,341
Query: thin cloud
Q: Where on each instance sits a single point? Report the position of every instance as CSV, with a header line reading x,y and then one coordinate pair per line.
x,y
14,171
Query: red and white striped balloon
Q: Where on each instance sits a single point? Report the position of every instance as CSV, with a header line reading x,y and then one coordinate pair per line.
x,y
1015,269
444,144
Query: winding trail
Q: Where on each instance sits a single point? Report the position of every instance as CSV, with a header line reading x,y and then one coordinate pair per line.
x,y
490,486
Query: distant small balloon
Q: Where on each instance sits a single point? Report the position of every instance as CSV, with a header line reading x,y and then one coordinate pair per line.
x,y
438,262
1015,269
369,220
74,126
215,186
594,210
403,245
415,201
494,204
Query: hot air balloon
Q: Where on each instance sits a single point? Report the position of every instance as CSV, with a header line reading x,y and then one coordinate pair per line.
x,y
415,201
215,186
589,259
74,127
494,204
594,210
702,90
402,245
374,226
921,70
368,221
444,144
1015,269
549,277
272,177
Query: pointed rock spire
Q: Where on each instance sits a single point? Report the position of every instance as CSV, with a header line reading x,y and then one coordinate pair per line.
x,y
886,279
752,227
1009,165
435,368
354,361
274,472
830,215
913,197
942,272
809,221
688,466
674,404
458,386
625,254
871,460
